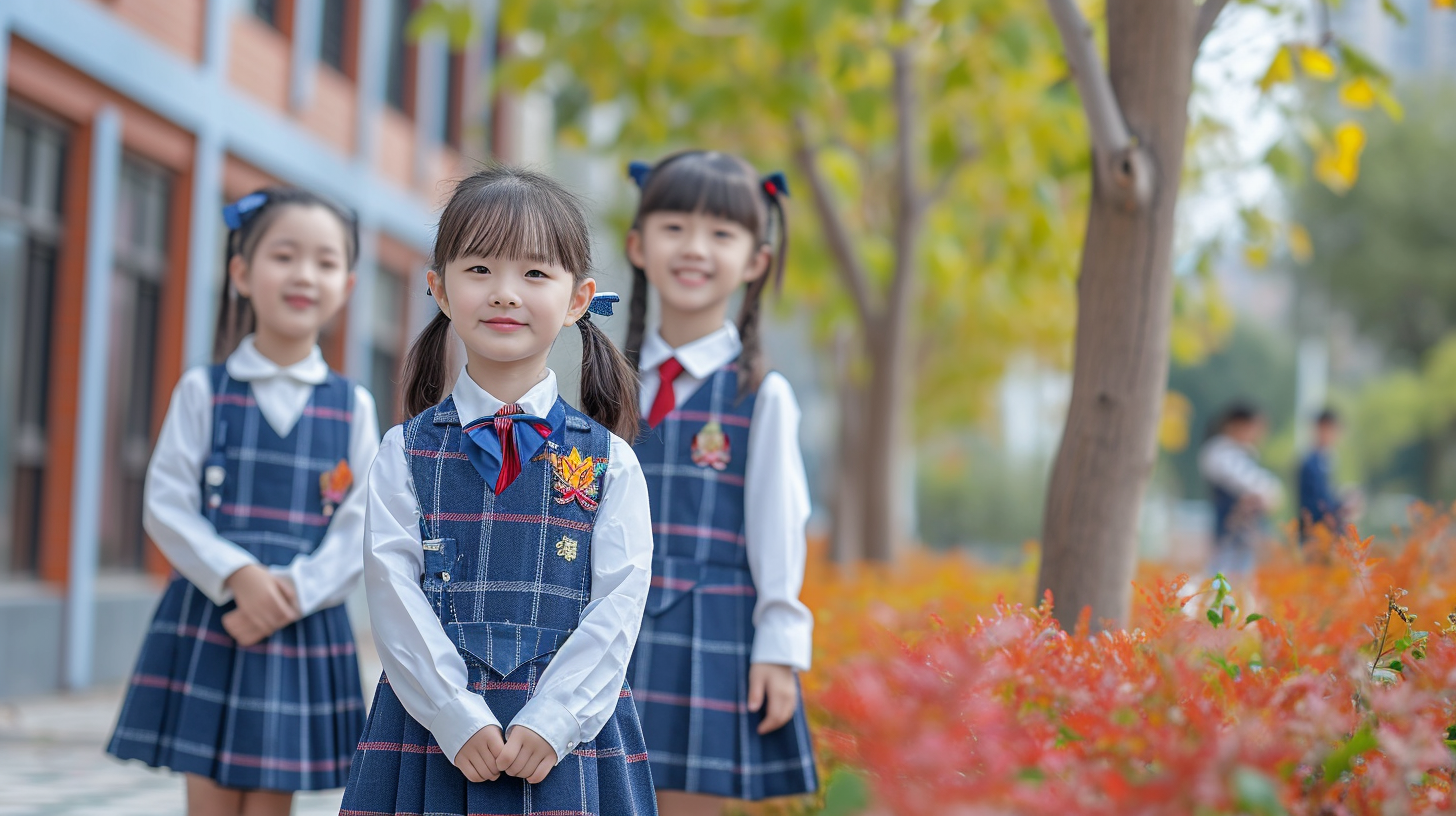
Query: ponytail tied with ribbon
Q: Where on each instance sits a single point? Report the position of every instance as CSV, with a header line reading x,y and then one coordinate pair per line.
x,y
775,184
639,171
236,214
602,304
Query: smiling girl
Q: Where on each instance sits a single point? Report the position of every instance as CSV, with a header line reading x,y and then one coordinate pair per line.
x,y
248,681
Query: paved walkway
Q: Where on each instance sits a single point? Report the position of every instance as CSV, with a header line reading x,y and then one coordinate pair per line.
x,y
52,762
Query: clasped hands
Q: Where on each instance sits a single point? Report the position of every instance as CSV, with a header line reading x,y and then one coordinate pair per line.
x,y
266,603
486,755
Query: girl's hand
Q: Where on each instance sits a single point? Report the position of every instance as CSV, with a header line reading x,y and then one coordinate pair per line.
x,y
777,684
527,756
261,596
244,629
477,757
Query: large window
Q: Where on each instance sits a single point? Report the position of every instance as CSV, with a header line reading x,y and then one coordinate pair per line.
x,y
399,69
268,11
334,35
140,268
386,336
30,233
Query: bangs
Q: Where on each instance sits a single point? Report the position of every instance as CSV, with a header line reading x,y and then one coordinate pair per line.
x,y
716,184
514,216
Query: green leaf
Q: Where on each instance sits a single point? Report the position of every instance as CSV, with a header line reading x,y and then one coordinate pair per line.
x,y
1253,617
1394,11
1397,666
846,794
1256,794
1340,761
1215,618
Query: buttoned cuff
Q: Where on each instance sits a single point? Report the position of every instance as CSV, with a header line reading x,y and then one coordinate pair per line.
x,y
553,721
458,720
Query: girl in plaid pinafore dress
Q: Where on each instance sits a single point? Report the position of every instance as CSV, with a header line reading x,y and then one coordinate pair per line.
x,y
247,680
715,673
509,544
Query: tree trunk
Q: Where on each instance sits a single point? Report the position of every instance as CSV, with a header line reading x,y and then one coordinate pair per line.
x,y
879,449
1123,315
847,541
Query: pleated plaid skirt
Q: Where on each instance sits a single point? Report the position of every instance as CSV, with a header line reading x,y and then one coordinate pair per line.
x,y
689,676
284,714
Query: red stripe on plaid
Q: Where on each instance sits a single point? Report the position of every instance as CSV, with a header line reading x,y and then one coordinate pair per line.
x,y
275,514
274,649
499,685
400,747
730,706
624,694
728,589
697,531
642,757
664,582
276,764
512,518
320,412
437,454
704,416
233,399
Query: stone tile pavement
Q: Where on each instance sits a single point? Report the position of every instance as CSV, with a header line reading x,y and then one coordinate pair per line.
x,y
52,760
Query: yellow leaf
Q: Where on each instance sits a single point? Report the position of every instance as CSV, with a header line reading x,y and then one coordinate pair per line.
x,y
1281,70
1358,93
1173,424
1256,256
1338,164
1316,63
1300,245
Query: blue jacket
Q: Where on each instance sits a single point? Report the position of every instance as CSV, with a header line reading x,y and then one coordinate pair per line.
x,y
1318,500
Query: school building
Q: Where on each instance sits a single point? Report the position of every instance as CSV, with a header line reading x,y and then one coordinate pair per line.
x,y
127,125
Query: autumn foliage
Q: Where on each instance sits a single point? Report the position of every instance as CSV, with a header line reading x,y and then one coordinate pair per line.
x,y
1323,684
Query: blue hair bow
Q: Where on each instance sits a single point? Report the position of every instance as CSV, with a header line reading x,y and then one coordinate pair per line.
x,y
236,213
775,184
639,171
602,303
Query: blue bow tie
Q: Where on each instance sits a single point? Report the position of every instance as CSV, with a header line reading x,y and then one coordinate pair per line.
x,y
499,445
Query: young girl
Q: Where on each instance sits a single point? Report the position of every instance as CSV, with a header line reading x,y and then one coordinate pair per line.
x,y
508,549
715,670
247,681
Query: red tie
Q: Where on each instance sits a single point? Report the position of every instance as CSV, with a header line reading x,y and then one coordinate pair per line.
x,y
510,459
665,401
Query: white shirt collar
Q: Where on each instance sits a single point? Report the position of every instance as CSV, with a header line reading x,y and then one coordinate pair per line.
x,y
699,358
473,402
249,365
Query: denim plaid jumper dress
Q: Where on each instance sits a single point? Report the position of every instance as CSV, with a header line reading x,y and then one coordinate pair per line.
x,y
283,714
506,596
689,673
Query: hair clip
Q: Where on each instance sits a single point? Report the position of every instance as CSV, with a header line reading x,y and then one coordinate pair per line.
x,y
775,184
236,213
639,171
602,303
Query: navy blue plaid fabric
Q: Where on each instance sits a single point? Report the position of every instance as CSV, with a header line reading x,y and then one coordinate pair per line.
x,y
284,714
689,672
509,576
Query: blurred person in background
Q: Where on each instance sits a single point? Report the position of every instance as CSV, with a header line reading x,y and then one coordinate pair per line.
x,y
1319,502
1244,492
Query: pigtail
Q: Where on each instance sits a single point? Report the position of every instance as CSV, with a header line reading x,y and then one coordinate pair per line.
x,y
424,367
608,382
636,318
235,317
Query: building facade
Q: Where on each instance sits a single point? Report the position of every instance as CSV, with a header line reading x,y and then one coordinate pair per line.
x,y
127,125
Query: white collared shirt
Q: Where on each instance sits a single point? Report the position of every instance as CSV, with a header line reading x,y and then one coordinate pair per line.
x,y
579,690
775,491
172,498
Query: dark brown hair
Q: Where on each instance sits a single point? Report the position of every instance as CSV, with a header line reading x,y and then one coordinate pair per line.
x,y
235,316
516,213
724,186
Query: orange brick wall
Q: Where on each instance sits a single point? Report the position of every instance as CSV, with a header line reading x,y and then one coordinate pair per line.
x,y
330,114
176,24
258,60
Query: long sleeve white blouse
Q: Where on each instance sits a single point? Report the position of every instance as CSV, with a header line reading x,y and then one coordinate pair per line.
x,y
578,692
172,495
776,491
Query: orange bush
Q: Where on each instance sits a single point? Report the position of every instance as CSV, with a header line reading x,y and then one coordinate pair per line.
x,y
1311,688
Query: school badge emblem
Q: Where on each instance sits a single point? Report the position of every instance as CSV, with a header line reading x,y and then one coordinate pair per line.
x,y
566,548
710,447
334,484
574,478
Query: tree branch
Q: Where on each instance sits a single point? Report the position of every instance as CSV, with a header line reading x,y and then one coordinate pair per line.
x,y
912,202
1207,16
1109,130
841,246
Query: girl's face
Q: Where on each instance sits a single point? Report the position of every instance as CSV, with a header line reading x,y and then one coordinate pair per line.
x,y
509,310
298,277
695,261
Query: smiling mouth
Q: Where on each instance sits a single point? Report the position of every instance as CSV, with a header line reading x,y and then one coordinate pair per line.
x,y
691,277
504,324
300,301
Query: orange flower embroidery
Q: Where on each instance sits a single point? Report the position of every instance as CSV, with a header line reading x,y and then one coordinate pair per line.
x,y
334,485
576,478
